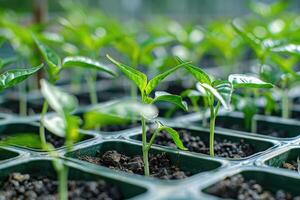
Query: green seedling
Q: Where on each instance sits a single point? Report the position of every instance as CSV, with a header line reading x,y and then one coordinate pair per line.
x,y
55,65
146,87
268,53
66,126
219,92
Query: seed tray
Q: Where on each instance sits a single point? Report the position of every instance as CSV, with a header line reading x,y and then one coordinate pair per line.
x,y
207,170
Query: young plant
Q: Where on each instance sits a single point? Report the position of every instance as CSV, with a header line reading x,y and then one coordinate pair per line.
x,y
268,53
63,124
55,65
219,92
146,87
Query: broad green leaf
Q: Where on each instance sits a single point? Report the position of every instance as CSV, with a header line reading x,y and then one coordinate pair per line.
x,y
85,62
215,92
13,77
136,76
59,101
94,118
55,124
131,110
198,73
31,140
50,57
201,89
246,81
175,137
171,98
156,80
225,89
292,49
247,36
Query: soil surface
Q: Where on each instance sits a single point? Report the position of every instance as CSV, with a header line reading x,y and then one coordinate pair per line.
x,y
160,165
223,148
292,165
23,186
261,129
237,187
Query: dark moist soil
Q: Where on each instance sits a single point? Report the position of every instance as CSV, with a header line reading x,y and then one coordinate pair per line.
x,y
237,187
160,165
261,129
223,148
292,165
23,186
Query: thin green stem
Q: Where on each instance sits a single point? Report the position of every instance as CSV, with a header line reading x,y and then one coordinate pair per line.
x,y
153,139
285,104
145,151
91,79
211,131
42,128
63,183
22,100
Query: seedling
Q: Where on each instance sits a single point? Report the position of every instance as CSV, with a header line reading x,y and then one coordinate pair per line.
x,y
66,126
56,65
219,92
146,87
267,51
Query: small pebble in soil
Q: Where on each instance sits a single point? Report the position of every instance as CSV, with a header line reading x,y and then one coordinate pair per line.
x,y
160,165
224,148
24,187
237,187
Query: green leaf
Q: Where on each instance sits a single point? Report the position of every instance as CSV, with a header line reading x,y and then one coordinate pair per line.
x,y
12,77
136,76
171,98
246,81
225,88
126,109
50,57
59,101
198,73
156,80
175,137
291,49
247,36
201,90
93,119
55,124
85,62
31,140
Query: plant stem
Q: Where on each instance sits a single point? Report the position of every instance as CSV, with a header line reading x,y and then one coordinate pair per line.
x,y
42,128
213,116
285,113
145,150
253,125
63,183
91,79
211,131
153,139
22,100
